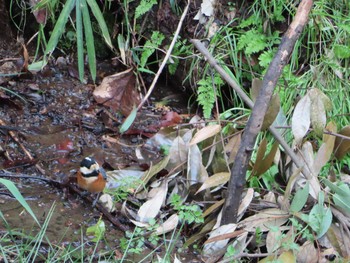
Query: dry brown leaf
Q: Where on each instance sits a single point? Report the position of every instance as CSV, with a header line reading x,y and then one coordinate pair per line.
x,y
265,219
151,208
153,170
259,156
254,91
232,147
264,164
301,119
213,207
247,199
215,247
318,116
169,225
178,154
118,92
194,166
324,153
287,257
272,112
214,180
341,145
307,253
206,228
205,133
273,240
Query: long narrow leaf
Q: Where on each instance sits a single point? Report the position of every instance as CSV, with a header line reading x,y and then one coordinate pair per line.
x,y
89,39
59,26
19,197
101,22
80,39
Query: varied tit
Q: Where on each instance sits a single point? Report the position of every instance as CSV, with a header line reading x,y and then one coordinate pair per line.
x,y
91,176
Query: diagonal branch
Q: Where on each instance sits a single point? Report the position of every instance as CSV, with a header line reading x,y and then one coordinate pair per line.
x,y
239,168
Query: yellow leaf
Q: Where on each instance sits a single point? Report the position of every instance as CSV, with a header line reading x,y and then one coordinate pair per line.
x,y
205,133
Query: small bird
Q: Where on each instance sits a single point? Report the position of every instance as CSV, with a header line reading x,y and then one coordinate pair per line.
x,y
91,176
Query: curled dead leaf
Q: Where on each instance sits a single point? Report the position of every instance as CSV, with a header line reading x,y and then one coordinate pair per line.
x,y
118,92
301,119
205,133
342,145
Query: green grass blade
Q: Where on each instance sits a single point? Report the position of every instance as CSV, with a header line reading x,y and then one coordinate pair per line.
x,y
80,41
19,197
90,46
128,121
59,26
101,22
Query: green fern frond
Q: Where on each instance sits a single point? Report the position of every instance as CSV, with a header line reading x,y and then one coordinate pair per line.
x,y
150,46
206,95
144,7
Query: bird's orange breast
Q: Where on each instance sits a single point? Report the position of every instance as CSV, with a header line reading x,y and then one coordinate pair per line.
x,y
91,184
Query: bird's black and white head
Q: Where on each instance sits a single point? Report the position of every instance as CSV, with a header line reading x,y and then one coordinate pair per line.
x,y
89,167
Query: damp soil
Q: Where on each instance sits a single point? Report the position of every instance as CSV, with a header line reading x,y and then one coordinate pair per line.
x,y
49,123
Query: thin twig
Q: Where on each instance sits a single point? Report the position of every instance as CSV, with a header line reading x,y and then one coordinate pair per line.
x,y
212,61
165,60
253,127
15,138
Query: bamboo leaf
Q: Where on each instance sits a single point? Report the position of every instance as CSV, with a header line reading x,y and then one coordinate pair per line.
x,y
90,45
59,26
19,197
101,22
80,40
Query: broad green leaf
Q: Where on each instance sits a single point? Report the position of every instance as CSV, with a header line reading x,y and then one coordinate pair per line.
x,y
101,22
300,198
97,231
80,40
301,119
342,202
128,121
59,28
205,133
19,197
37,66
89,37
320,219
340,190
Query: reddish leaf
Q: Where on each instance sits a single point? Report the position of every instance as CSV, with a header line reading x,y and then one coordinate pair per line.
x,y
40,14
170,118
118,92
63,149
